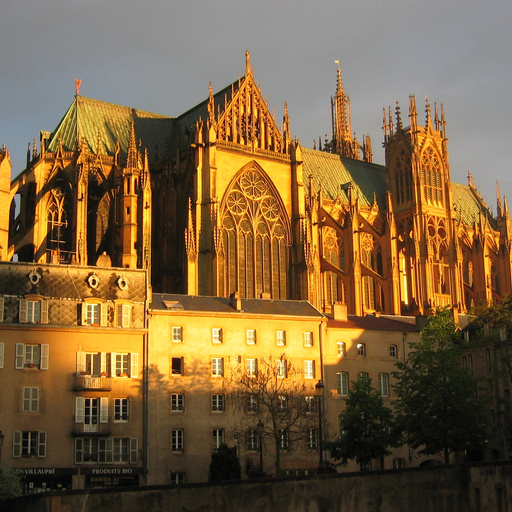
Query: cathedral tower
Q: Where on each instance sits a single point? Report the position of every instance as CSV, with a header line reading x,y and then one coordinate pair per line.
x,y
418,178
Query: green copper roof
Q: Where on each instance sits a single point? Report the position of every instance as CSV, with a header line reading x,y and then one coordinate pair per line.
x,y
92,119
469,206
334,173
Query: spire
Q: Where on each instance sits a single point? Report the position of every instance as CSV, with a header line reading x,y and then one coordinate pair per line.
x,y
499,209
428,123
413,115
211,105
132,157
443,123
341,119
247,63
399,126
286,123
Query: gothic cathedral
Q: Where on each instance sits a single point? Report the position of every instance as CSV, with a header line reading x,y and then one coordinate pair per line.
x,y
221,199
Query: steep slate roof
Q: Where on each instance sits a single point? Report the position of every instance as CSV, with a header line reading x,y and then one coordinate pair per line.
x,y
174,302
335,172
89,118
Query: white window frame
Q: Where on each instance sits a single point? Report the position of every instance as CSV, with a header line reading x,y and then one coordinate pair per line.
x,y
218,402
384,384
121,450
22,440
308,338
362,375
284,439
393,351
361,349
253,444
178,402
218,437
342,383
124,368
124,315
121,410
309,368
311,405
250,336
251,367
281,338
177,478
177,334
30,399
312,441
341,347
217,335
217,366
22,361
251,405
281,368
177,440
89,307
30,314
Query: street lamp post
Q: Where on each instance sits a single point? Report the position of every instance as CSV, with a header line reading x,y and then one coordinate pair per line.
x,y
260,426
1,444
320,393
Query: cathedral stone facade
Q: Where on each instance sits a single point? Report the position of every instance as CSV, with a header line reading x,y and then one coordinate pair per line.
x,y
221,199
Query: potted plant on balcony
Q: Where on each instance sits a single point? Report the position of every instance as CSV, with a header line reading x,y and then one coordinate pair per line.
x,y
104,374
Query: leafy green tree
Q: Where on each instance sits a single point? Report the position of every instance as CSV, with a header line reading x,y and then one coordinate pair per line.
x,y
225,464
439,406
366,427
10,483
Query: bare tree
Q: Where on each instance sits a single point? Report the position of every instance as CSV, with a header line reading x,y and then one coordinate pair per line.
x,y
275,393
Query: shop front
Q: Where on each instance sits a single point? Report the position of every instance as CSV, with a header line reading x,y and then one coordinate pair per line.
x,y
36,480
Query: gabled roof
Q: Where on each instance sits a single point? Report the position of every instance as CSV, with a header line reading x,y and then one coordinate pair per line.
x,y
334,173
198,303
90,119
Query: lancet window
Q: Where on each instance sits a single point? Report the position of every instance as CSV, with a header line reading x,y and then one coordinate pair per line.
x,y
256,237
403,183
431,177
58,224
438,248
333,247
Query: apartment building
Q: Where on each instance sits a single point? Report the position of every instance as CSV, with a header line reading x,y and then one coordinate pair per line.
x,y
196,345
365,347
71,358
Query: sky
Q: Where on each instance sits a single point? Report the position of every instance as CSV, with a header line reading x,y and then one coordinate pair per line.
x,y
161,55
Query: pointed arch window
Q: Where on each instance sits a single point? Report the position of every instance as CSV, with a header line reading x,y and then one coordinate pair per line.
x,y
404,182
431,177
256,237
57,222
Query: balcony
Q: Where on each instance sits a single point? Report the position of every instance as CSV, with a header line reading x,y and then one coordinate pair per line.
x,y
91,382
92,429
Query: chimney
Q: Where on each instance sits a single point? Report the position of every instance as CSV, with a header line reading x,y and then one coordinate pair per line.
x,y
339,311
235,301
